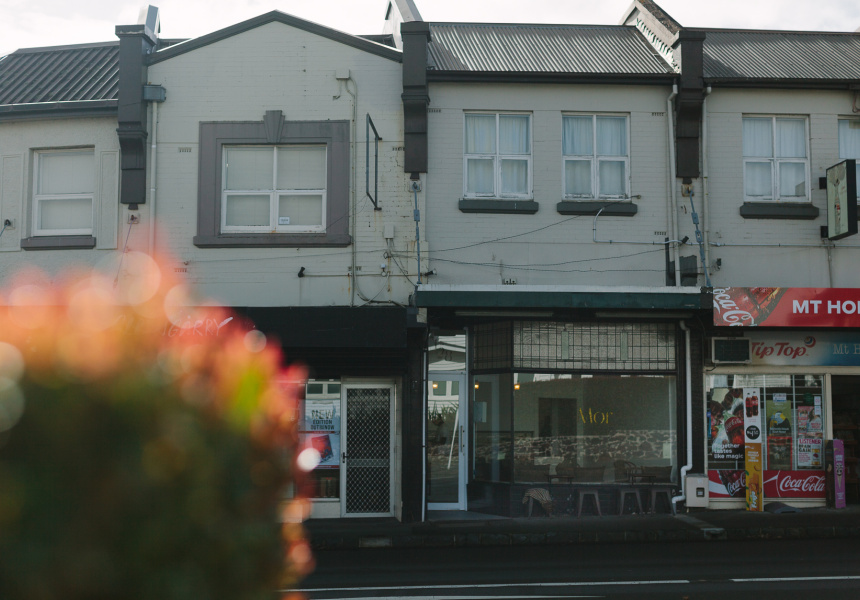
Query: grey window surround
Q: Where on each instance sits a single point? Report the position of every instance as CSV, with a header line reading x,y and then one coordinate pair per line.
x,y
273,130
499,207
59,242
802,211
610,208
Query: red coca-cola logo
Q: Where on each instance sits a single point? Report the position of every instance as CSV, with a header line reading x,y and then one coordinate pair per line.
x,y
809,484
794,484
729,311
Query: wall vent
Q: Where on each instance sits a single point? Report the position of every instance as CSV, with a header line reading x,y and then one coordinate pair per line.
x,y
736,351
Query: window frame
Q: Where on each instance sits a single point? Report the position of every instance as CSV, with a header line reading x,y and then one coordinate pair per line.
x,y
594,159
839,142
497,159
775,162
37,231
274,194
273,130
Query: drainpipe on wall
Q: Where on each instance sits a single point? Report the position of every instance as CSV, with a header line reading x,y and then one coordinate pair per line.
x,y
156,95
673,200
706,213
689,408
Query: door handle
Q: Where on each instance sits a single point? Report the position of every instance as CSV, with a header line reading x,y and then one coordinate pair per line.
x,y
462,443
343,457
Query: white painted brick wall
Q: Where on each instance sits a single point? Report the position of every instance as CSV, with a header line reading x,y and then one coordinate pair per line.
x,y
547,248
744,261
18,142
277,67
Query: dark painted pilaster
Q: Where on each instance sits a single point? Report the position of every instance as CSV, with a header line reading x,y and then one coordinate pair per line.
x,y
697,381
416,98
413,423
135,43
688,103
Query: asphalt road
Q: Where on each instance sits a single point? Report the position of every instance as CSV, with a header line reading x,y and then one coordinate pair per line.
x,y
773,569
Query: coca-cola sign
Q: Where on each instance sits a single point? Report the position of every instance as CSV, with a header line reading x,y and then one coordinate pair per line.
x,y
794,484
787,307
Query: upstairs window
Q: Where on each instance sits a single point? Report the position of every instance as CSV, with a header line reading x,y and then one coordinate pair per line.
x,y
849,143
776,160
596,156
63,193
498,156
277,189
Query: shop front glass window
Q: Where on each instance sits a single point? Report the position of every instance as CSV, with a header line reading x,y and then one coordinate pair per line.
x,y
593,428
493,454
319,428
789,409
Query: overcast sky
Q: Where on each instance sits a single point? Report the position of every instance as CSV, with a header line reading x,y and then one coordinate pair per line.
x,y
33,23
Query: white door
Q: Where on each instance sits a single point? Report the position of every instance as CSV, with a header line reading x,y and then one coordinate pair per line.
x,y
446,442
367,457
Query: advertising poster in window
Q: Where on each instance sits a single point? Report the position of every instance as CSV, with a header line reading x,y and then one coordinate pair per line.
x,y
726,425
321,430
752,448
327,444
779,434
727,483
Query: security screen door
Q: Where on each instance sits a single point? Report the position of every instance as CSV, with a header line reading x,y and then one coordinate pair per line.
x,y
368,454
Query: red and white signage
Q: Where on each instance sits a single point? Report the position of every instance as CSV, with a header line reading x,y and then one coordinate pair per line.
x,y
787,307
794,484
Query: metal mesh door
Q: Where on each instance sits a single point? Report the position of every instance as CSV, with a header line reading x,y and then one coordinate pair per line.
x,y
368,452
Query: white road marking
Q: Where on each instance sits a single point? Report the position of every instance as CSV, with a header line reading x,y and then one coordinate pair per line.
x,y
461,597
486,585
776,579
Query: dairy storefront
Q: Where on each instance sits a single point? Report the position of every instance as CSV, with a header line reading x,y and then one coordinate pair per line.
x,y
785,379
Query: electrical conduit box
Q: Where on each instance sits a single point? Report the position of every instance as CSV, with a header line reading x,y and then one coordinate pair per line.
x,y
697,491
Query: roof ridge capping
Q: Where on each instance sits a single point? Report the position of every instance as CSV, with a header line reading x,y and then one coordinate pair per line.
x,y
280,17
523,25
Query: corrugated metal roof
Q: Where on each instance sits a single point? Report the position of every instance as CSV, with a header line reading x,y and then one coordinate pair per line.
x,y
60,74
516,48
741,54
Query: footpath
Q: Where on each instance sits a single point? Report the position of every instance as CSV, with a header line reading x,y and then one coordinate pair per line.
x,y
449,528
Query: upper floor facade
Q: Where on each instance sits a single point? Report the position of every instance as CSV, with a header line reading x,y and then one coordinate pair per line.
x,y
281,163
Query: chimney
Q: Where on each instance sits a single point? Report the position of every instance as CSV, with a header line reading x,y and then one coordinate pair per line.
x,y
136,42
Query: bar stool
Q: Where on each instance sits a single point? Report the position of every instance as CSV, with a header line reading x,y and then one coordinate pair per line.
x,y
655,493
623,492
583,493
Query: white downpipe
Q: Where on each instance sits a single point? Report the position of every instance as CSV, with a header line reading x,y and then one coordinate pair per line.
x,y
152,188
706,213
424,400
673,200
689,409
353,216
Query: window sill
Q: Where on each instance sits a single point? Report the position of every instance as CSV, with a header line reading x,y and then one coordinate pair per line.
x,y
273,240
499,207
779,210
612,208
59,242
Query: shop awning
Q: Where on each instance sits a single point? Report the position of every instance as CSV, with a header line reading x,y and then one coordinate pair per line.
x,y
550,297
